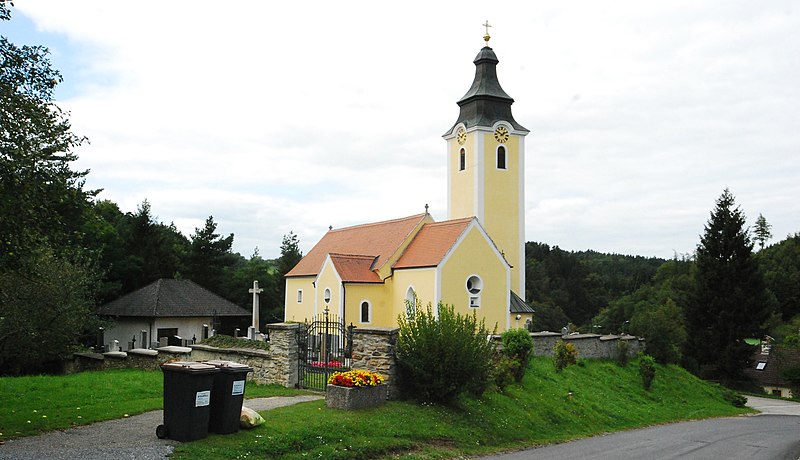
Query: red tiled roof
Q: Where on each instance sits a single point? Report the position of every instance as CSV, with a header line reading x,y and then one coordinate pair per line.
x,y
379,240
432,243
355,268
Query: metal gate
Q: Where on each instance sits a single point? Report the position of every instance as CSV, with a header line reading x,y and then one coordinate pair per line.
x,y
325,346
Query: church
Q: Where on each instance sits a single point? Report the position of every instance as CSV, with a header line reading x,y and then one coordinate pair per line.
x,y
368,274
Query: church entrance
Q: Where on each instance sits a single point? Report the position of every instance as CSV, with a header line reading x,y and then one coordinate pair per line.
x,y
325,346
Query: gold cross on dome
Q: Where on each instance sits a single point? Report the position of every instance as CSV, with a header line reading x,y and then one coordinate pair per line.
x,y
486,37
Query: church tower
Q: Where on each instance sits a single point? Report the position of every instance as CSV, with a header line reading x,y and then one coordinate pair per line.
x,y
486,164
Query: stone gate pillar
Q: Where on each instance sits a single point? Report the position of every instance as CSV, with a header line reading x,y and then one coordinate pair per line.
x,y
373,350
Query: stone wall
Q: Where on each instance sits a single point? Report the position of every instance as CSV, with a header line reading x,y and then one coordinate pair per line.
x,y
373,350
591,346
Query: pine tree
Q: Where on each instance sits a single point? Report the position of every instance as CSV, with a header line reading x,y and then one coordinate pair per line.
x,y
762,232
730,302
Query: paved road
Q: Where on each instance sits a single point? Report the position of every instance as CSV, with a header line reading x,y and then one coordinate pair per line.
x,y
127,438
773,434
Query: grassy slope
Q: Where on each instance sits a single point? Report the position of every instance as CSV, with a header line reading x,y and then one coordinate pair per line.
x,y
34,404
604,398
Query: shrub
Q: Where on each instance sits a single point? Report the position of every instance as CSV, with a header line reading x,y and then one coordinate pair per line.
x,y
734,397
565,354
518,346
647,369
226,341
439,358
504,371
622,353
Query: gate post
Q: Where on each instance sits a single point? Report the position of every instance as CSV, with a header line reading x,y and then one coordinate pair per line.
x,y
285,352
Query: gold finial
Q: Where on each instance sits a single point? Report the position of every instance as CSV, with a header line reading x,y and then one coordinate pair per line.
x,y
486,37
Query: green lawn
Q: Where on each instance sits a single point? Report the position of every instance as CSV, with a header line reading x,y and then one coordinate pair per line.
x,y
586,399
583,400
35,404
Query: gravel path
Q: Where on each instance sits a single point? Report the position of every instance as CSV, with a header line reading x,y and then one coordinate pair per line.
x,y
127,438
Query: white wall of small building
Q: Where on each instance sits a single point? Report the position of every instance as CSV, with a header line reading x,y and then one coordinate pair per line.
x,y
124,329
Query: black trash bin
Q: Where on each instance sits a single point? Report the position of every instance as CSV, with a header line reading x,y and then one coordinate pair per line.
x,y
187,400
227,396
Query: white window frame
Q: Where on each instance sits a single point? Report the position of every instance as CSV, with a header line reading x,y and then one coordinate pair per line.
x,y
474,297
299,296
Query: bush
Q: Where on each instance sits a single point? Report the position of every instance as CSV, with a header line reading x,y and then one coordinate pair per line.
x,y
518,347
504,371
565,354
734,397
441,358
647,369
226,341
622,353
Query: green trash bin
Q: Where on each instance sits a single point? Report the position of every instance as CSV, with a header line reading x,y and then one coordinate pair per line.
x,y
187,400
227,396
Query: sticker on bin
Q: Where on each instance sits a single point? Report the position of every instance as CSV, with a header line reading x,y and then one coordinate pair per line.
x,y
202,398
238,387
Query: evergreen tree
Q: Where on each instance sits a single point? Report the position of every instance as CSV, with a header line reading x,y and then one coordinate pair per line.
x,y
209,255
290,256
762,232
730,302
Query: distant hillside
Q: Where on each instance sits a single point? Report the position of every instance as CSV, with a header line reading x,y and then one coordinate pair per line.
x,y
567,286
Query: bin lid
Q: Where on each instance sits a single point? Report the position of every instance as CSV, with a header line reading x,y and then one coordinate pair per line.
x,y
188,366
229,365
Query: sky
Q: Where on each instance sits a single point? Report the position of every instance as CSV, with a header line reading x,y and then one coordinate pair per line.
x,y
278,117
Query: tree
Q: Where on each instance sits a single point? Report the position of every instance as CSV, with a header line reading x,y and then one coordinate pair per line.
x,y
43,201
152,250
762,232
46,279
730,302
290,256
209,256
290,253
46,307
664,331
781,265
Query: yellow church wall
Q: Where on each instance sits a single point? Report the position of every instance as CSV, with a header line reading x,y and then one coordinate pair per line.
x,y
304,309
501,210
328,279
422,280
377,295
474,255
462,184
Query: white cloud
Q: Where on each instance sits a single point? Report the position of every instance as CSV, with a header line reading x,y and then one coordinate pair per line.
x,y
276,117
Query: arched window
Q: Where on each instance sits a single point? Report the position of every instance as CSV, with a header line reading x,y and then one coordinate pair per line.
x,y
327,295
501,157
411,302
462,158
365,311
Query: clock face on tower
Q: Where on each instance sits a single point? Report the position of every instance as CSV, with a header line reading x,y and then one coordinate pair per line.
x,y
461,136
501,134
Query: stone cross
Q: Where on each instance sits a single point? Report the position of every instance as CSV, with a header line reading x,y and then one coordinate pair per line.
x,y
255,291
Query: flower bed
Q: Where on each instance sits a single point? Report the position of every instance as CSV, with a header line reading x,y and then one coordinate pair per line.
x,y
356,378
355,389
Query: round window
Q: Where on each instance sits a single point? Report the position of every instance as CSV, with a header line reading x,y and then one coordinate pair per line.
x,y
474,285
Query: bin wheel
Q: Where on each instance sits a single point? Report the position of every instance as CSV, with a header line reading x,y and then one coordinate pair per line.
x,y
161,431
